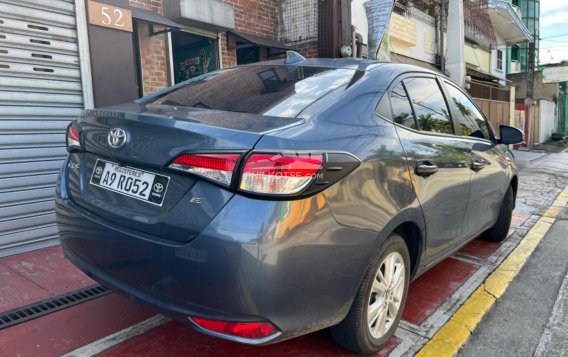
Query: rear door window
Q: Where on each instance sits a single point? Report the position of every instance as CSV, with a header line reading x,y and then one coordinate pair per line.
x,y
401,110
429,105
472,122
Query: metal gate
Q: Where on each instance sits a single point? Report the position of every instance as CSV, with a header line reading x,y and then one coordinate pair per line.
x,y
40,91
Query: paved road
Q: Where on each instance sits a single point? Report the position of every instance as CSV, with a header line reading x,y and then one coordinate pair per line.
x,y
532,316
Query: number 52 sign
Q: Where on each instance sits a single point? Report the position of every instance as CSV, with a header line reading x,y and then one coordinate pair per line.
x,y
110,16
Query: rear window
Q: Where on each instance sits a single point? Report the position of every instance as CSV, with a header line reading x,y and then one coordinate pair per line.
x,y
268,90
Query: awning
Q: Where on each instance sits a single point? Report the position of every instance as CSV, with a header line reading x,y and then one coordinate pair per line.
x,y
246,40
154,18
507,22
396,58
480,74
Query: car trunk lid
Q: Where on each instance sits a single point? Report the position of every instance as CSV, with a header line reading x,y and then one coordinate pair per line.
x,y
155,135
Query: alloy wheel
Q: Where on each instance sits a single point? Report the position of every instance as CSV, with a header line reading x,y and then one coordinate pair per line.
x,y
386,295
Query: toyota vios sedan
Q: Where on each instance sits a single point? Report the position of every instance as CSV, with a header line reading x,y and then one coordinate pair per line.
x,y
267,201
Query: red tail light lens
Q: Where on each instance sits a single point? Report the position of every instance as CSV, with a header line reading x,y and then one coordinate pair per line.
x,y
248,330
73,138
216,167
278,174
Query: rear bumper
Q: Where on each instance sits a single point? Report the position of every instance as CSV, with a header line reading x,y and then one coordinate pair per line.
x,y
288,263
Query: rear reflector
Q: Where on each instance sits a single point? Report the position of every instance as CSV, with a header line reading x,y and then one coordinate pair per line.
x,y
277,174
216,167
248,330
73,138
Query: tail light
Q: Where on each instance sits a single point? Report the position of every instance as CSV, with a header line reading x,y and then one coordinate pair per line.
x,y
270,174
276,174
73,137
247,330
216,167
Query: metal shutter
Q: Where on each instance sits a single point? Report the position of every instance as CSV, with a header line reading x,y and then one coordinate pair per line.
x,y
40,91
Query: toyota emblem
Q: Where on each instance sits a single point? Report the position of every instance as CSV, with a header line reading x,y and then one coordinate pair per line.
x,y
158,188
117,138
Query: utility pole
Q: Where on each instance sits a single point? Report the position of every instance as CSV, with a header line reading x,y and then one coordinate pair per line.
x,y
530,89
455,60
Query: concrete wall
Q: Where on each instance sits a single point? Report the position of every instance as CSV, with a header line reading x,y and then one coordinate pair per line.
x,y
547,91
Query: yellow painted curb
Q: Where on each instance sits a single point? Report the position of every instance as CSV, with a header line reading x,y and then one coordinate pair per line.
x,y
456,331
552,212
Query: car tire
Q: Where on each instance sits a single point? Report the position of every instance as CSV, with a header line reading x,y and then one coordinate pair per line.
x,y
355,333
500,230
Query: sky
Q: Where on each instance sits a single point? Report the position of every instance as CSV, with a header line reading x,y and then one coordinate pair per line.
x,y
553,31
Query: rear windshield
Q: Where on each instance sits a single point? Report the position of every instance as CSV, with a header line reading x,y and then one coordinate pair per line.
x,y
268,90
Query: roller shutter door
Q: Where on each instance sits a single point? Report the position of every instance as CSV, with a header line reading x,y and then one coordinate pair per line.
x,y
40,92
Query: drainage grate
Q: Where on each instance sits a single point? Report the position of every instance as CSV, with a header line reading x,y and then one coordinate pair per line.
x,y
44,307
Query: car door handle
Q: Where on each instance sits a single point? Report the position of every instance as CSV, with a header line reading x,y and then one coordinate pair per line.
x,y
477,165
425,169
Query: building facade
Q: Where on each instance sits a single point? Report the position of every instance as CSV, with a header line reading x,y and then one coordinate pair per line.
x,y
418,35
519,54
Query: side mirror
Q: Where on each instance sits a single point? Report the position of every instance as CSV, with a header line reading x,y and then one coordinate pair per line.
x,y
510,135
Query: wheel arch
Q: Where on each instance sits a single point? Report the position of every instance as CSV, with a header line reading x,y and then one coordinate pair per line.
x,y
412,236
410,225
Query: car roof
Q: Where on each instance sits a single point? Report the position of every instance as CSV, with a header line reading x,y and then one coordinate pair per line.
x,y
350,63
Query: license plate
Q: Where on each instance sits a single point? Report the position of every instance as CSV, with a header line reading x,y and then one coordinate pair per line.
x,y
131,182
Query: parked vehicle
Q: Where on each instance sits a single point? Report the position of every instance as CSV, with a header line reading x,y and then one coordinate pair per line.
x,y
270,200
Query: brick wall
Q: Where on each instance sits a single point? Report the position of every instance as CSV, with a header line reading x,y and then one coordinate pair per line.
x,y
308,49
153,51
228,58
151,5
257,17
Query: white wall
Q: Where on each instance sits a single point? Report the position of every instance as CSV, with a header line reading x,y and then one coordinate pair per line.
x,y
359,18
548,120
502,74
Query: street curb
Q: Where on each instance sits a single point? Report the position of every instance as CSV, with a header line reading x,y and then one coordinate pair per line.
x,y
457,330
521,164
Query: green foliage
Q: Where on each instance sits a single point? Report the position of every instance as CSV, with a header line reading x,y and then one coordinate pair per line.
x,y
429,123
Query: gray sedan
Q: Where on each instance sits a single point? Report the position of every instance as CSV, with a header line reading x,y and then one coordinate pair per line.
x,y
267,201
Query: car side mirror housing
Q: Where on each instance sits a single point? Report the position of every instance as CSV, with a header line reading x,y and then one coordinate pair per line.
x,y
510,135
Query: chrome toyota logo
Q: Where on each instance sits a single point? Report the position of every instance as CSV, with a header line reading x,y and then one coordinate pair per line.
x,y
116,138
